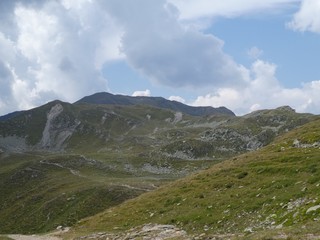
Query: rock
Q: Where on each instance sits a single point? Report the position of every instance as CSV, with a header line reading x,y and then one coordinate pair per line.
x,y
314,208
46,136
59,227
146,232
286,108
296,143
248,230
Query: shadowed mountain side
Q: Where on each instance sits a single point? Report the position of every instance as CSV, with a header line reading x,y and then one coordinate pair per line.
x,y
108,98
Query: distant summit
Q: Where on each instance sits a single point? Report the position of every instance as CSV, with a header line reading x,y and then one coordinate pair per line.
x,y
160,102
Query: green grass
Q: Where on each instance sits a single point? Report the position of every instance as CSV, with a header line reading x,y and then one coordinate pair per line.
x,y
131,148
5,238
38,197
259,190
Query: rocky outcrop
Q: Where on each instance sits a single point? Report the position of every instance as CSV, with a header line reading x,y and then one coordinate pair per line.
x,y
56,132
47,135
299,144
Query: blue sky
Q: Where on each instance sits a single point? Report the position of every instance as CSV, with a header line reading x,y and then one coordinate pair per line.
x,y
293,52
245,55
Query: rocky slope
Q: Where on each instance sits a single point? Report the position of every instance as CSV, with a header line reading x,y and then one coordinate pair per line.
x,y
59,127
272,193
61,162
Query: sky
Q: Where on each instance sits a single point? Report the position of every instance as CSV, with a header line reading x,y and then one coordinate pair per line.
x,y
245,55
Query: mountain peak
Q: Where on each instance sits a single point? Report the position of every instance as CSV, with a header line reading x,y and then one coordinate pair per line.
x,y
160,102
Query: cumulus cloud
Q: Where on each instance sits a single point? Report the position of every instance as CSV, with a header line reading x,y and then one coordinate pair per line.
x,y
307,18
156,44
54,49
264,91
255,53
145,93
5,81
191,9
57,48
177,99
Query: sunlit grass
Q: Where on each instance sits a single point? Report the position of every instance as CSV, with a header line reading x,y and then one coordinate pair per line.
x,y
266,189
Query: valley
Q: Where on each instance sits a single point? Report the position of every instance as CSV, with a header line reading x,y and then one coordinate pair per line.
x,y
207,173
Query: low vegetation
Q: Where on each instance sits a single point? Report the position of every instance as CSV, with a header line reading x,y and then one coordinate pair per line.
x,y
64,162
42,192
261,194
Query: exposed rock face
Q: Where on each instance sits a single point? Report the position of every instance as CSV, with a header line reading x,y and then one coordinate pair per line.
x,y
56,132
298,144
47,136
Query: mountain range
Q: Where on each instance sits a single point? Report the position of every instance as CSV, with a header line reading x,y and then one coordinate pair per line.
x,y
111,99
159,102
62,162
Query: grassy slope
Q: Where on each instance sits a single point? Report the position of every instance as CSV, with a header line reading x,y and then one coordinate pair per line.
x,y
268,189
38,197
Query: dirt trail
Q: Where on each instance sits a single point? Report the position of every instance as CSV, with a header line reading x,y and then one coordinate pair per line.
x,y
33,237
48,236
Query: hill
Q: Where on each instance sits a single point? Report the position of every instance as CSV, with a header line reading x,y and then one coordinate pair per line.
x,y
271,193
159,102
62,162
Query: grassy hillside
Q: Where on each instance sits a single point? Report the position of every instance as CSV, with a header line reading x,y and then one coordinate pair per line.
x,y
41,192
257,195
62,162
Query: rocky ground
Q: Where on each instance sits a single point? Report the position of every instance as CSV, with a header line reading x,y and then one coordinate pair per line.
x,y
146,232
33,237
153,232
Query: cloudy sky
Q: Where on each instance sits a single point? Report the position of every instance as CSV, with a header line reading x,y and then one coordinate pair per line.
x,y
245,55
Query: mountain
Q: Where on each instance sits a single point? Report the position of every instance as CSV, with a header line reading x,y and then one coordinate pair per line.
x,y
62,162
108,98
10,115
271,193
152,131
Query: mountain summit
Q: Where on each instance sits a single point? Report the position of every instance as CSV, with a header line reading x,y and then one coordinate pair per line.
x,y
160,102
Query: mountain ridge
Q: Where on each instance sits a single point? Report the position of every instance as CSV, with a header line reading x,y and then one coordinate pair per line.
x,y
118,99
78,159
108,98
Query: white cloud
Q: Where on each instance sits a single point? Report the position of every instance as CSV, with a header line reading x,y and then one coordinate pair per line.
x,y
55,49
255,53
60,50
145,93
156,44
307,18
191,9
264,91
7,50
177,99
6,79
222,97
